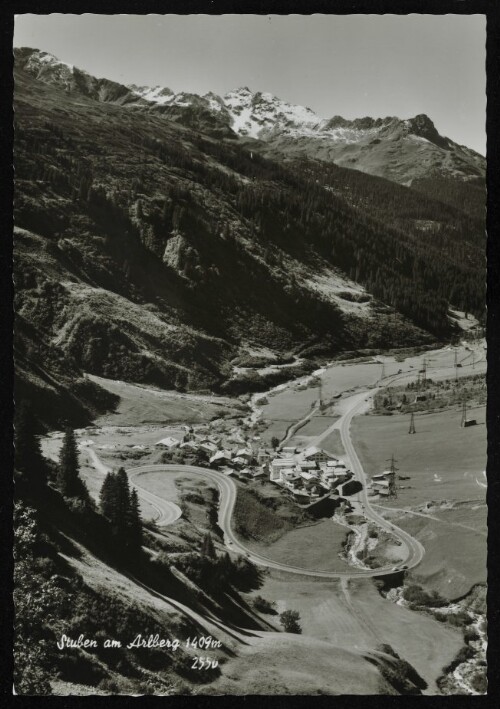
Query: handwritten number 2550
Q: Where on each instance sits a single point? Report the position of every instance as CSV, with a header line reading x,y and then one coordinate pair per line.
x,y
204,663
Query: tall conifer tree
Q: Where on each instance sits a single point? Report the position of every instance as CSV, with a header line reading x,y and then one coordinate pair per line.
x,y
67,478
122,494
107,497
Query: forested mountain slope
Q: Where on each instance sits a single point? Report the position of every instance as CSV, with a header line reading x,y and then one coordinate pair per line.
x,y
149,252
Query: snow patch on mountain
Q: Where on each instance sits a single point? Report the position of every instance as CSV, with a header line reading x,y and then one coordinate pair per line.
x,y
156,94
255,113
215,103
43,64
45,58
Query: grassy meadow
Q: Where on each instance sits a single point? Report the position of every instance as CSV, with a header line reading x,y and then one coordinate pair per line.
x,y
443,460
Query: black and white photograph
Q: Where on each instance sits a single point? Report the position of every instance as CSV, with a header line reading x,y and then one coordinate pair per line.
x,y
250,355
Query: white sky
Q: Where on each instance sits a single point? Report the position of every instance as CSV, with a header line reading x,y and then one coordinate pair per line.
x,y
352,65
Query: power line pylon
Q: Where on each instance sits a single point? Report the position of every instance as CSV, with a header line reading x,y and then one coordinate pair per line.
x,y
412,424
393,462
392,482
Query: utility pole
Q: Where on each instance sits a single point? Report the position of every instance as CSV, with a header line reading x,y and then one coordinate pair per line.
x,y
456,363
412,424
464,413
424,370
382,375
473,360
320,393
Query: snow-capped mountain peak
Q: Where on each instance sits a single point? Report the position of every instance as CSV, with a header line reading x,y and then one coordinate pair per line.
x,y
44,66
401,150
255,114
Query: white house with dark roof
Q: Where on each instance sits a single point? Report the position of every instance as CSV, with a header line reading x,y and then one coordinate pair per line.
x,y
318,455
169,442
240,462
245,453
221,458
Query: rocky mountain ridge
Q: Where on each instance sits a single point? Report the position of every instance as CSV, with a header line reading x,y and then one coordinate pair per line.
x,y
402,150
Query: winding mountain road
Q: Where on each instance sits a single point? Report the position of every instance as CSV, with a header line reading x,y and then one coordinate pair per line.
x,y
168,512
227,500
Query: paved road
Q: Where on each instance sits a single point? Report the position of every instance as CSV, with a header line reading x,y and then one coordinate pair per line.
x,y
167,512
415,550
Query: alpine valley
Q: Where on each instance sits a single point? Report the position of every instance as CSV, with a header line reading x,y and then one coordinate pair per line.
x,y
159,236
230,315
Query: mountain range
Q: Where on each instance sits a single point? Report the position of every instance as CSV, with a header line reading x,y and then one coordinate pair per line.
x,y
400,150
162,237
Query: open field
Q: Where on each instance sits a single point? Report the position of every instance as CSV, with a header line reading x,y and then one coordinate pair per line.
x,y
444,460
358,618
333,444
293,402
316,425
274,429
289,405
313,428
316,546
473,515
161,484
455,557
141,404
342,377
117,445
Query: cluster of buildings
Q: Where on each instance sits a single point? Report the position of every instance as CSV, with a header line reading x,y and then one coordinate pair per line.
x,y
311,473
241,462
307,475
232,455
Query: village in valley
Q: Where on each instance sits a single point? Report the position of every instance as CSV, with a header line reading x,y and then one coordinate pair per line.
x,y
308,475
